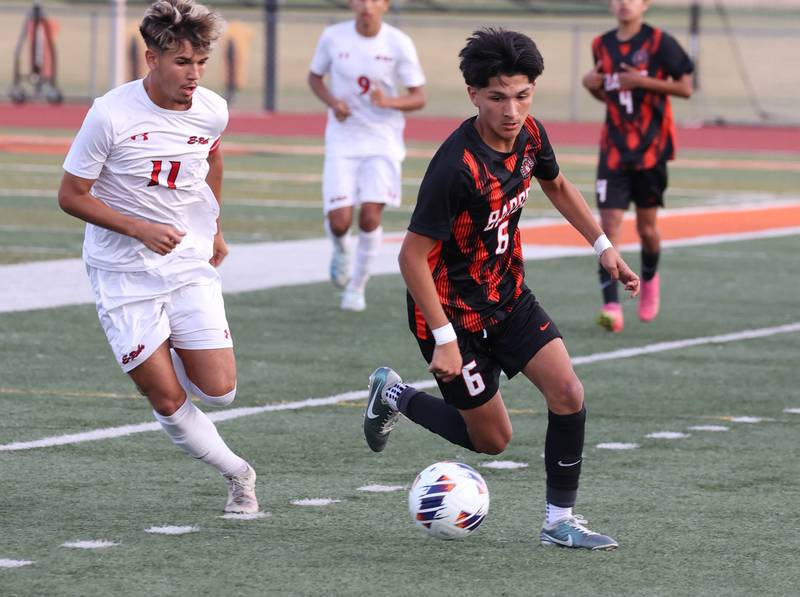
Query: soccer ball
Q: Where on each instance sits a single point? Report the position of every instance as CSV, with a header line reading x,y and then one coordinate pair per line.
x,y
448,500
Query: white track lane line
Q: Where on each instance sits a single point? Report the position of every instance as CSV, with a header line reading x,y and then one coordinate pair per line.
x,y
236,413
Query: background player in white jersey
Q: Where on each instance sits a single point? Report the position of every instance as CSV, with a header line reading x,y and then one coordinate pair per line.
x,y
145,173
366,59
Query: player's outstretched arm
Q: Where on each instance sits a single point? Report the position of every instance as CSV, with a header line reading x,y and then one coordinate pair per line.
x,y
75,199
569,201
446,361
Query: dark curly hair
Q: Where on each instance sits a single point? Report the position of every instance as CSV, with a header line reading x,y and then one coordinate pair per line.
x,y
492,52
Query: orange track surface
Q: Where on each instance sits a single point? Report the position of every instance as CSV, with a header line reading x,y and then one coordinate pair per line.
x,y
678,226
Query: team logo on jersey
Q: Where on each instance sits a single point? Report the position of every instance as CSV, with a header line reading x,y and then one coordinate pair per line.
x,y
201,140
131,356
141,136
525,169
641,57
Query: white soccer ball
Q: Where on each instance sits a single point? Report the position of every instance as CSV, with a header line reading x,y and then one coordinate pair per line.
x,y
448,500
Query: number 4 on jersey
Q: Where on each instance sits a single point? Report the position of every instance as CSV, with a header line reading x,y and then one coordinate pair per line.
x,y
174,168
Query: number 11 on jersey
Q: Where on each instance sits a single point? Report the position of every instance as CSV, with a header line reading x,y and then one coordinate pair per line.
x,y
174,168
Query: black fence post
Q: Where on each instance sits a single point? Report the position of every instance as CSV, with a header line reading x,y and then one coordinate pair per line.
x,y
694,42
270,51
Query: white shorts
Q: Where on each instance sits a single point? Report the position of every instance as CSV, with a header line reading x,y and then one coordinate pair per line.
x,y
352,181
180,301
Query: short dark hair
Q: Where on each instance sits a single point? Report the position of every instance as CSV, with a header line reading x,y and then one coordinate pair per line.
x,y
492,52
168,22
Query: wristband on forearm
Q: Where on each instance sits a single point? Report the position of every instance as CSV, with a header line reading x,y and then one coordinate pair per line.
x,y
601,244
444,334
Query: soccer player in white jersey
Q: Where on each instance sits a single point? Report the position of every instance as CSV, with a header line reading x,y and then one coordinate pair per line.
x,y
366,60
145,173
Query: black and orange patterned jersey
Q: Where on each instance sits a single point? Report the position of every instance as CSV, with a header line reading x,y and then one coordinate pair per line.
x,y
470,201
639,131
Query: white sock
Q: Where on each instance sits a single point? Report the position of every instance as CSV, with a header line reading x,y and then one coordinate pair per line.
x,y
342,243
553,513
193,432
180,372
369,243
192,390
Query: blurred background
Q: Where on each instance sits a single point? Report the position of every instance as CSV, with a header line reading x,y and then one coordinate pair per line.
x,y
747,51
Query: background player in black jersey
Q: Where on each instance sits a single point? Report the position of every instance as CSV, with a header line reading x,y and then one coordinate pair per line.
x,y
469,307
637,68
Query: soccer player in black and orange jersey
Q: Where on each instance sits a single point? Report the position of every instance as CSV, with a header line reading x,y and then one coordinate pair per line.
x,y
637,68
469,307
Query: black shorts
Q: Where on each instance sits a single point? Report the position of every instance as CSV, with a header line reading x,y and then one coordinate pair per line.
x,y
616,189
506,346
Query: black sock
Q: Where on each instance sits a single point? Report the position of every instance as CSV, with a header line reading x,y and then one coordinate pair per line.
x,y
435,415
608,286
563,453
649,265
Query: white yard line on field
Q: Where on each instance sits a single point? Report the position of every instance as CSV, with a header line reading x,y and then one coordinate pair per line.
x,y
236,413
625,353
6,563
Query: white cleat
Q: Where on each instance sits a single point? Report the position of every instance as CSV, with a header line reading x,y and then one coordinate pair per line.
x,y
242,493
352,300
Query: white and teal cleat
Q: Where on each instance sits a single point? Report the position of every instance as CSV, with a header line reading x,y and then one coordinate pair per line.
x,y
340,267
381,414
571,532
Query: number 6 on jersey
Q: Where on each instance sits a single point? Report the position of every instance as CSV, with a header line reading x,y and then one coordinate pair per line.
x,y
502,238
474,381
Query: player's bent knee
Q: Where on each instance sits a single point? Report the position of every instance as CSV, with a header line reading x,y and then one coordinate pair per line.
x,y
339,230
494,445
573,395
648,233
166,404
339,224
569,397
369,223
222,400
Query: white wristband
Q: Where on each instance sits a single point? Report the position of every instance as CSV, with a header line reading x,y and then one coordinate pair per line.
x,y
601,244
444,334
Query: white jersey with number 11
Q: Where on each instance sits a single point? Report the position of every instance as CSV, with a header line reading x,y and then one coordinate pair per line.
x,y
149,163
